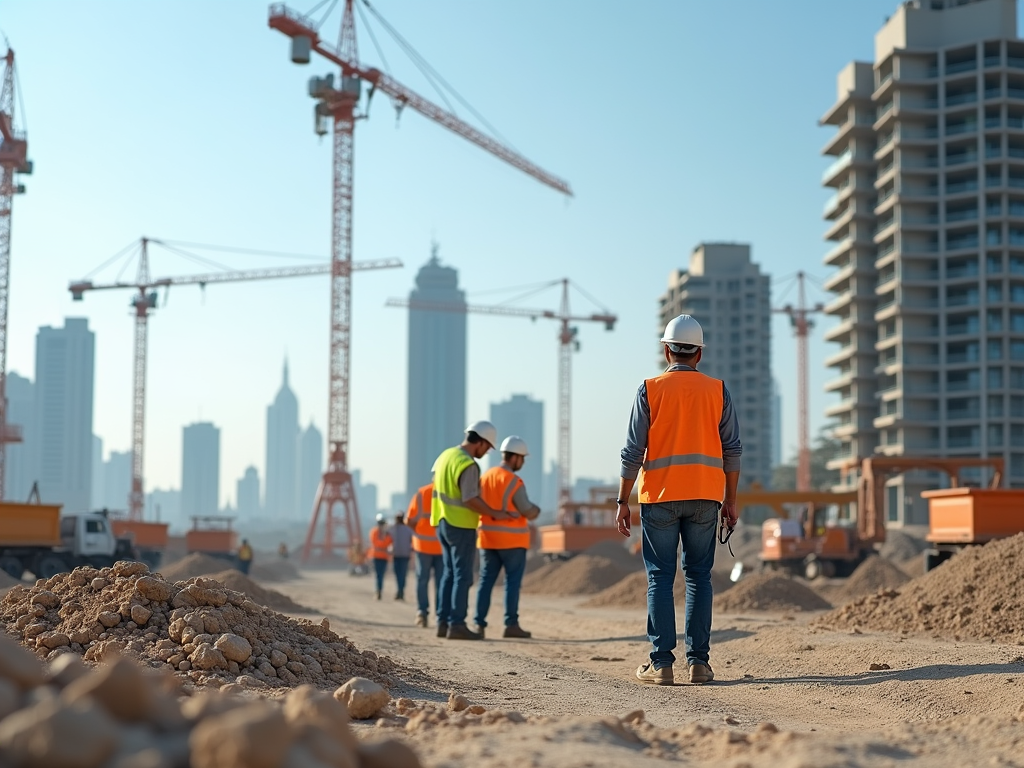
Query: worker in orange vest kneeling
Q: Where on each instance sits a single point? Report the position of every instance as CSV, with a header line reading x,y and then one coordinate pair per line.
x,y
380,542
504,543
429,557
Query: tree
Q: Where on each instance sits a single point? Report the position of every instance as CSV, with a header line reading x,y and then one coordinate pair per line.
x,y
824,450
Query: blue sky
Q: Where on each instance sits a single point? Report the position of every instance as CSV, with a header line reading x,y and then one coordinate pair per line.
x,y
675,122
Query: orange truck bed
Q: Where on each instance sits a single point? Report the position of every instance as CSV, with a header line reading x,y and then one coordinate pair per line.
x,y
221,542
29,525
145,535
973,515
559,539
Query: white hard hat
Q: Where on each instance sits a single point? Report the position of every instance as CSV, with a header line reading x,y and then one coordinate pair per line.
x,y
514,444
683,334
381,518
486,430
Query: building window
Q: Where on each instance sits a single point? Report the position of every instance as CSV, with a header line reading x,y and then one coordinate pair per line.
x,y
1017,464
1016,407
995,378
1017,435
1016,350
995,406
994,349
995,435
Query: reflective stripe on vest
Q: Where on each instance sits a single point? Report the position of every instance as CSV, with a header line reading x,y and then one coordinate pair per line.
x,y
497,487
446,502
684,446
379,543
424,537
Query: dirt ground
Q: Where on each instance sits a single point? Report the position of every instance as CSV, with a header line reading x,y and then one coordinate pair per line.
x,y
928,701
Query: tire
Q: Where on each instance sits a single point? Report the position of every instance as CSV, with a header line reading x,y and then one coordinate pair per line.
x,y
49,565
812,568
933,558
12,566
828,569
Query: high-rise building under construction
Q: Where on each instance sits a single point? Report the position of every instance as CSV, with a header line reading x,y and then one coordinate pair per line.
x,y
927,230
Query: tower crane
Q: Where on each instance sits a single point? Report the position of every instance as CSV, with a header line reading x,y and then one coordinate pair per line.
x,y
13,161
800,319
339,105
145,301
567,344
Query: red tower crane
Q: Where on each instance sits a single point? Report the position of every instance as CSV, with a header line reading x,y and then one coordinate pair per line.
x,y
145,300
13,161
339,104
567,344
800,319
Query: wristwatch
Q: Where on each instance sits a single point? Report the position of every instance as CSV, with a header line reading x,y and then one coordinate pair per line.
x,y
622,501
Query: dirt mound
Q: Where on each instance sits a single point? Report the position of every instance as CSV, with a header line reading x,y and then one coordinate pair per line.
x,y
580,575
769,592
198,628
873,574
271,598
631,592
900,546
618,552
979,593
7,581
274,570
191,566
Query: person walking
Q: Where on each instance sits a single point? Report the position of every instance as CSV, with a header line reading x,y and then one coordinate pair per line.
x,y
455,510
427,550
401,552
245,557
380,542
684,442
504,543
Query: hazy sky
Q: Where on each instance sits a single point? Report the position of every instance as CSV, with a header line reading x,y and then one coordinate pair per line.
x,y
675,122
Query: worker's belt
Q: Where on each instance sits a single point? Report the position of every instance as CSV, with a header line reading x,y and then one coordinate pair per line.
x,y
686,459
449,501
503,528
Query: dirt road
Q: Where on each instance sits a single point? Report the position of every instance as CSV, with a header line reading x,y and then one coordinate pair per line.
x,y
933,702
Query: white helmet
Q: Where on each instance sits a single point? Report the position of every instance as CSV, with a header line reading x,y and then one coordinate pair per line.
x,y
514,444
683,334
486,430
381,518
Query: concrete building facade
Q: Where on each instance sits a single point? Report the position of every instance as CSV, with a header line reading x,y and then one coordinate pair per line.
x,y
310,467
247,494
20,469
927,230
731,298
281,493
437,371
200,470
523,416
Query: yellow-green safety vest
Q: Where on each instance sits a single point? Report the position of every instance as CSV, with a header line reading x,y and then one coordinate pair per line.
x,y
446,502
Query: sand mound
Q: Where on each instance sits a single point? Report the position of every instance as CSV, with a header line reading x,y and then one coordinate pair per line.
x,y
873,574
979,593
581,575
274,570
271,598
631,592
618,552
191,566
199,628
900,546
769,592
7,581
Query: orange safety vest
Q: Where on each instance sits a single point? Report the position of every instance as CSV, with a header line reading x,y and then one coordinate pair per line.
x,y
379,543
424,535
497,487
684,447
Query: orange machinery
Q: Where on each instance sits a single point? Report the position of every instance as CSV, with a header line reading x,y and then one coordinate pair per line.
x,y
816,548
149,539
212,535
963,517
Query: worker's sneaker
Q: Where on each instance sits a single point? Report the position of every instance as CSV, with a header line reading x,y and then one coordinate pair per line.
x,y
377,594
400,597
646,673
421,620
515,630
701,673
482,631
462,632
442,629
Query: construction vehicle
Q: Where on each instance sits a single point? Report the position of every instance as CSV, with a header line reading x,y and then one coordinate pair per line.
x,y
965,517
212,535
35,537
818,544
148,539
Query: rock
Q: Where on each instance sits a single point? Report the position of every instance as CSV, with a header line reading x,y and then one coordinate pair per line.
x,y
157,590
57,734
109,619
234,647
65,670
120,687
635,717
193,595
457,702
99,584
205,656
306,705
277,659
53,640
362,698
140,614
476,709
251,736
19,665
387,754
46,599
128,568
877,667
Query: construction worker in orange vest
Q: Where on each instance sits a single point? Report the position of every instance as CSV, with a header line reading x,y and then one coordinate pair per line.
x,y
504,543
427,549
380,542
684,441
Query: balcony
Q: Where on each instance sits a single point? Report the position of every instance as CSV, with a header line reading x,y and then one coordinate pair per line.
x,y
957,128
955,243
1015,62
968,215
961,66
961,158
962,98
1015,93
962,186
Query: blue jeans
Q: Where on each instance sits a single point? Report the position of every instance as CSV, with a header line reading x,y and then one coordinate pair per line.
x,y
663,526
401,571
424,565
380,567
459,548
492,561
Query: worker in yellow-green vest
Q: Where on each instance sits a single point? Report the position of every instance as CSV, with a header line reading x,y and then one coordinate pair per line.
x,y
455,511
504,543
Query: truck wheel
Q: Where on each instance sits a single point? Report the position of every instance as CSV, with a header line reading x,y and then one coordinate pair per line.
x,y
47,566
933,558
812,568
828,569
12,566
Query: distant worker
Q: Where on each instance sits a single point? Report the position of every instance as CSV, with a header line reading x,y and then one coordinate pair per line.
x,y
684,440
455,511
380,542
282,551
245,557
504,543
401,551
428,553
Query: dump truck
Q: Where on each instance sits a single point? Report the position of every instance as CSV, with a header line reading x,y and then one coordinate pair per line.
x,y
212,535
965,517
35,537
149,539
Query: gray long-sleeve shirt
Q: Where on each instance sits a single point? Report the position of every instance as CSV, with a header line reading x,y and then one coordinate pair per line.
x,y
640,424
401,540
